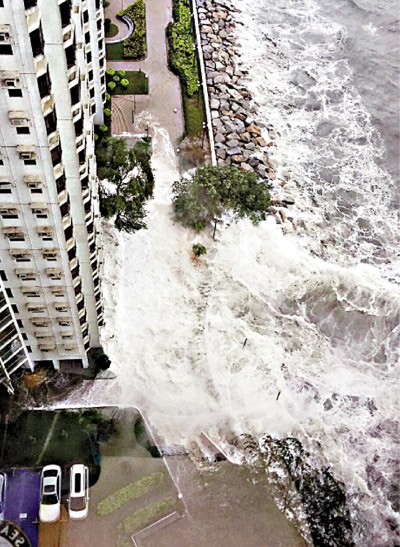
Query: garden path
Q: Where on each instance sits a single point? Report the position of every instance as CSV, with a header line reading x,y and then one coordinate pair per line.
x,y
164,89
110,12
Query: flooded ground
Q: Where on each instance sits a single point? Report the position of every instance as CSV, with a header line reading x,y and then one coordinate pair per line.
x,y
137,497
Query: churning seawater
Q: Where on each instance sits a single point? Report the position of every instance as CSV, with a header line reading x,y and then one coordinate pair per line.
x,y
316,297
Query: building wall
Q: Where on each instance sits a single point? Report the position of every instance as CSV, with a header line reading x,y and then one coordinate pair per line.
x,y
49,221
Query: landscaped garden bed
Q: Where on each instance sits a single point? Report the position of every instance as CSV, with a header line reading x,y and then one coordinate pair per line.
x,y
135,47
183,62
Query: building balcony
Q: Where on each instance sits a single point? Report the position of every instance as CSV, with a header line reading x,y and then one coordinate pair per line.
x,y
70,244
68,35
73,263
66,221
48,104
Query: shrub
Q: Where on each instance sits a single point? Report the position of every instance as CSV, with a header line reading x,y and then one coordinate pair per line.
x,y
107,112
96,137
135,45
120,13
121,73
111,86
108,97
110,71
124,82
116,78
103,128
182,56
199,250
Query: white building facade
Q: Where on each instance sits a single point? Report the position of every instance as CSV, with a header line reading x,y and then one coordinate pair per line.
x,y
52,91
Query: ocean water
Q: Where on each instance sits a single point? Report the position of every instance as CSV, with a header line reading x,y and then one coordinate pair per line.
x,y
317,297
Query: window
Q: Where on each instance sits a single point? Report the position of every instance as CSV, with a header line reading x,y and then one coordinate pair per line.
x,y
75,93
28,349
78,125
88,57
44,84
15,92
64,208
24,336
69,232
8,212
6,49
84,183
37,41
51,122
82,157
9,293
70,55
85,16
30,3
56,155
87,37
81,304
3,275
78,289
1,3
20,323
72,253
14,308
65,12
61,184
90,75
23,131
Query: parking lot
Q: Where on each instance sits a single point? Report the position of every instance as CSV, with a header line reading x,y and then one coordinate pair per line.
x,y
130,487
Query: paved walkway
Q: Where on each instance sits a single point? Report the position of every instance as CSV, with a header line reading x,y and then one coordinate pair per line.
x,y
165,94
110,13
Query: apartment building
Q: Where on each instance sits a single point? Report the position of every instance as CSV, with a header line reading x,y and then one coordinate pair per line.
x,y
52,91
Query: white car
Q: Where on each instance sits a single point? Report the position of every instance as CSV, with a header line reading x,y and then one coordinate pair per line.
x,y
50,500
78,503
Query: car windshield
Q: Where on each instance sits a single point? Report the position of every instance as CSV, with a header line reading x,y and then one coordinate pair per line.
x,y
49,499
78,504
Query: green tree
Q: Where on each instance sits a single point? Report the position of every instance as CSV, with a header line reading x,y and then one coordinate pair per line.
x,y
129,171
204,196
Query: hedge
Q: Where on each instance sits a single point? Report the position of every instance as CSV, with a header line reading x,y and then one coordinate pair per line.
x,y
135,45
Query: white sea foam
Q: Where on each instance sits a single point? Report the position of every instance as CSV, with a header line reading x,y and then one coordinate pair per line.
x,y
326,335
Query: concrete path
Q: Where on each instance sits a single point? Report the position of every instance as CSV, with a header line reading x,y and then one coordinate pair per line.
x,y
110,13
165,94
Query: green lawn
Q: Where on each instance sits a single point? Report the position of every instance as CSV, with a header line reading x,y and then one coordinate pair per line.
x,y
115,52
194,115
138,84
113,31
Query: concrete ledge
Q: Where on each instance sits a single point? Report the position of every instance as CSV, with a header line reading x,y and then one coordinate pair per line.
x,y
129,23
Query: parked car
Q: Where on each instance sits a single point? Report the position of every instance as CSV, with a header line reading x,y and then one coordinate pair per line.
x,y
3,485
78,502
50,500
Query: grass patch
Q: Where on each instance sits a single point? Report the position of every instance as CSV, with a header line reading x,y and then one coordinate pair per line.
x,y
115,52
130,492
112,30
135,47
146,515
194,113
138,84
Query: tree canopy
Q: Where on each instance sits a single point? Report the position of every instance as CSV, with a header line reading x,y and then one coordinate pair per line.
x,y
129,171
206,194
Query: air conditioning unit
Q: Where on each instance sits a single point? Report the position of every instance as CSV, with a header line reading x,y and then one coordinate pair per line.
x,y
45,232
5,37
67,336
31,292
6,211
35,308
20,255
33,181
10,79
18,118
25,274
40,322
14,232
26,152
47,347
57,292
70,348
63,322
54,273
62,308
50,254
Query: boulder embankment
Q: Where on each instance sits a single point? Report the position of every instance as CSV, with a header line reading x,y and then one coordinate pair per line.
x,y
239,139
